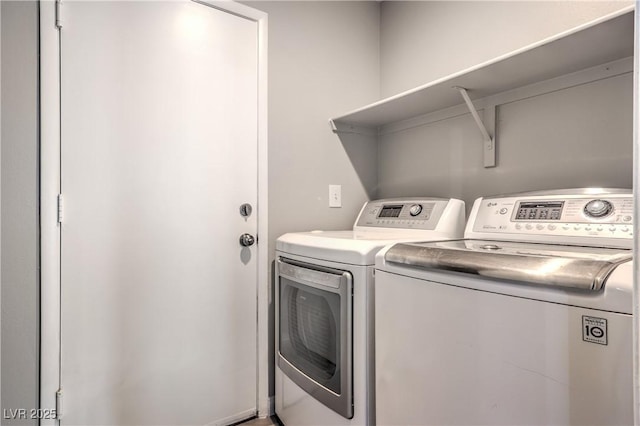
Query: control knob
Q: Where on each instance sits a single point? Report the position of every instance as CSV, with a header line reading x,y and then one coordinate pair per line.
x,y
598,208
415,209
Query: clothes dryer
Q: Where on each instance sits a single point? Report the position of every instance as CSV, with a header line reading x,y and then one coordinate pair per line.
x,y
324,308
528,320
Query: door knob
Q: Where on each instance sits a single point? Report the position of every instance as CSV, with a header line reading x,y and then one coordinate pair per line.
x,y
247,240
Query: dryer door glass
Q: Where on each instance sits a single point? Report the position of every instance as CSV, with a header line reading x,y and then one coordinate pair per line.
x,y
314,332
309,333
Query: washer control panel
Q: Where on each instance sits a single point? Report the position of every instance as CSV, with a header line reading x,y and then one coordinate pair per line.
x,y
412,213
556,216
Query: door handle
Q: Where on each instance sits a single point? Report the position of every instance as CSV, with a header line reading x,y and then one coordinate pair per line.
x,y
247,240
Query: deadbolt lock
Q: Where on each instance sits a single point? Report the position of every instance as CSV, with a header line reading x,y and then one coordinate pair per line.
x,y
245,210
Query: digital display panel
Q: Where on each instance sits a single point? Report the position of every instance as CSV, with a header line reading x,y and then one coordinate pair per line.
x,y
546,210
390,211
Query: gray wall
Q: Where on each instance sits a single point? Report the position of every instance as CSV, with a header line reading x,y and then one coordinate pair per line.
x,y
323,61
19,169
580,136
421,41
575,137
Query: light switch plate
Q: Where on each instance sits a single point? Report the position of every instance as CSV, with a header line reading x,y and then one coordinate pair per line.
x,y
335,195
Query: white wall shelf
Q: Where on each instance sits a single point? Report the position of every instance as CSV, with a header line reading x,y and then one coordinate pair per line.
x,y
598,42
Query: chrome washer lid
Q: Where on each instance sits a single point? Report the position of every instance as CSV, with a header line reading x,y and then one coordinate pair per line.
x,y
585,268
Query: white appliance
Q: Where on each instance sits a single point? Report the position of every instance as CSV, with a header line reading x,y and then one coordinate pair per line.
x,y
324,308
528,320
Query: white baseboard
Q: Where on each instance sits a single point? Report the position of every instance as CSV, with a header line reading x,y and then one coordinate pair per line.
x,y
270,408
235,418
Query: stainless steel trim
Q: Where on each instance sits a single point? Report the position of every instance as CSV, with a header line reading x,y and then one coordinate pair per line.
x,y
407,199
310,277
568,191
312,266
489,261
304,274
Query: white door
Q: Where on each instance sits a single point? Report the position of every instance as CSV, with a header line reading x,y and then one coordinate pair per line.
x,y
158,152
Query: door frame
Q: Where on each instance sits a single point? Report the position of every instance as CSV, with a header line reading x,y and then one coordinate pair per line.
x,y
50,177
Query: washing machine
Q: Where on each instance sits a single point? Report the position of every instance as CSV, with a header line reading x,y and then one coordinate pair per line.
x,y
525,321
324,308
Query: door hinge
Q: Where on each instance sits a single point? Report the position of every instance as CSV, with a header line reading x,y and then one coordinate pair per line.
x,y
59,404
60,208
58,14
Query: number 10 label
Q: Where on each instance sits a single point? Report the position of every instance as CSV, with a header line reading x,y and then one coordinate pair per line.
x,y
594,330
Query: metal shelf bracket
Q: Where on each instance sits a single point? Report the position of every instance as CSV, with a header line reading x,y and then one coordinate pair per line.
x,y
489,142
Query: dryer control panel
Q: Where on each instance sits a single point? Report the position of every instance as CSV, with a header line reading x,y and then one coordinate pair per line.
x,y
589,217
408,213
